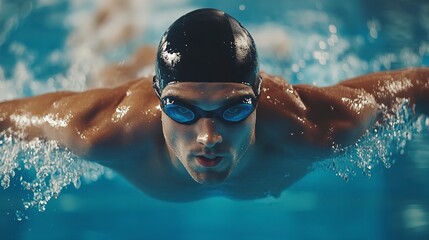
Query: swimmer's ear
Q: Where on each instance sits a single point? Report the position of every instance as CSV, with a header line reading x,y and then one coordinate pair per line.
x,y
155,85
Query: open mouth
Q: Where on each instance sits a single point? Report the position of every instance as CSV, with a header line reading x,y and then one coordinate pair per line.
x,y
208,162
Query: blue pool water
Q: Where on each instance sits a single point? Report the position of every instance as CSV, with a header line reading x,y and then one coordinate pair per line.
x,y
50,45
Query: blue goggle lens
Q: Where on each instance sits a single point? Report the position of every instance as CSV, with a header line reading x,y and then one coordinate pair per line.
x,y
238,112
179,113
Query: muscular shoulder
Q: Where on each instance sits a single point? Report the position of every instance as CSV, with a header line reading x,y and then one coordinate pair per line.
x,y
279,104
321,116
110,122
280,113
339,101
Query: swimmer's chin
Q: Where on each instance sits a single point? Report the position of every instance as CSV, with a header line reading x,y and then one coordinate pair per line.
x,y
210,178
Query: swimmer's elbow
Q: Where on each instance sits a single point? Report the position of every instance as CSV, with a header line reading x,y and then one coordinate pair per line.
x,y
347,129
348,132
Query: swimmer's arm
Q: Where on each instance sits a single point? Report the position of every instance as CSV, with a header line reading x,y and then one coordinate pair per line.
x,y
390,86
335,115
26,115
309,116
73,119
93,123
342,113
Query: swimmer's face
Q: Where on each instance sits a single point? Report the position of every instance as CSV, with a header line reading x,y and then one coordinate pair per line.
x,y
209,148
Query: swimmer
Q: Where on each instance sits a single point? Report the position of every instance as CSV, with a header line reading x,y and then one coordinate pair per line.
x,y
209,122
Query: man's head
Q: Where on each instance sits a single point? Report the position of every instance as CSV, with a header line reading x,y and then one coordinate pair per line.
x,y
208,83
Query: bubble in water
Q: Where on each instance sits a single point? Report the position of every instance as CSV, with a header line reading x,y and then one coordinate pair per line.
x,y
5,182
41,206
77,183
19,215
27,205
48,168
378,146
332,29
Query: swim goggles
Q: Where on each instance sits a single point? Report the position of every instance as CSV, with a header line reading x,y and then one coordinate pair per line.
x,y
185,113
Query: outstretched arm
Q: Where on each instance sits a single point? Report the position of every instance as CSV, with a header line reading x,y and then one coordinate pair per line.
x,y
341,113
387,87
87,122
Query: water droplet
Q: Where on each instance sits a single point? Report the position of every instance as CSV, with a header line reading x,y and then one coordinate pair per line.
x,y
27,165
295,67
41,206
322,45
332,29
5,182
77,183
19,215
27,205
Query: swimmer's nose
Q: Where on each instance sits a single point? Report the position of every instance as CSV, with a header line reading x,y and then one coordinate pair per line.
x,y
208,133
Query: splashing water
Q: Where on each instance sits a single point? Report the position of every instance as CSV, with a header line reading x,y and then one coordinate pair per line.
x,y
380,145
45,168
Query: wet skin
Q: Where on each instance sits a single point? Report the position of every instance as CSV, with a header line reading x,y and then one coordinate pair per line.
x,y
293,126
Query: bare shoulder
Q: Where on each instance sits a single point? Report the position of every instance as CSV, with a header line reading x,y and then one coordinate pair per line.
x,y
103,124
279,101
132,124
280,114
306,114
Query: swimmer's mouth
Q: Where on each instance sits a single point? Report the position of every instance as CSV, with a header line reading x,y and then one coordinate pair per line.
x,y
208,160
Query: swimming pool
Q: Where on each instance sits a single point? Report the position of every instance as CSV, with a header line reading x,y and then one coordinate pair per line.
x,y
48,45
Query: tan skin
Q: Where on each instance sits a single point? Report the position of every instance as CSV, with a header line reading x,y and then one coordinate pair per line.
x,y
292,127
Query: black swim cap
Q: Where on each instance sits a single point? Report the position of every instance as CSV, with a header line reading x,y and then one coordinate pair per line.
x,y
206,45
